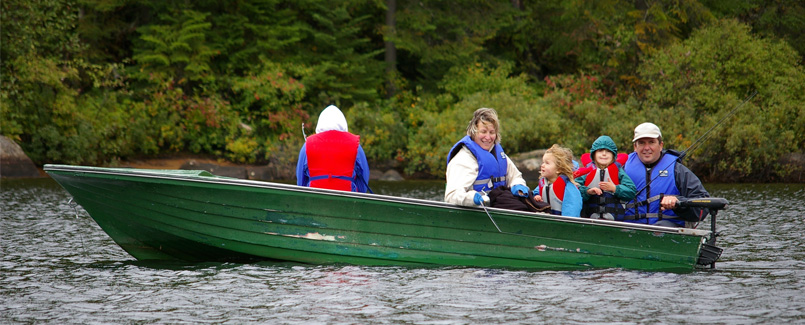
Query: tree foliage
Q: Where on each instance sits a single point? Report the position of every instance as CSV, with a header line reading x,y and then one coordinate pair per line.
x,y
697,82
99,81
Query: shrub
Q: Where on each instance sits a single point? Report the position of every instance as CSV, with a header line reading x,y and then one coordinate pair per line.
x,y
696,82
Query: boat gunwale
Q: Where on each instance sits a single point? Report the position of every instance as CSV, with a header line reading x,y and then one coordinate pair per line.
x,y
222,180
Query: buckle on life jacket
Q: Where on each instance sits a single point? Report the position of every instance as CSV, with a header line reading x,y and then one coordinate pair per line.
x,y
604,204
320,177
489,182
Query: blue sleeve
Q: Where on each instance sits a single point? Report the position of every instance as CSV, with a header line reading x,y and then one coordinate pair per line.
x,y
302,175
571,204
361,183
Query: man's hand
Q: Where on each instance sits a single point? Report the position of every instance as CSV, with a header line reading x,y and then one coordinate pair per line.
x,y
669,202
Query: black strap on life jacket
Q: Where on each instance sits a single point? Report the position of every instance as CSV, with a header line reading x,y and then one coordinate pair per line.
x,y
603,204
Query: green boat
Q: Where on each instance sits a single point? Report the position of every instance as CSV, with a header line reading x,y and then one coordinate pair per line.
x,y
197,216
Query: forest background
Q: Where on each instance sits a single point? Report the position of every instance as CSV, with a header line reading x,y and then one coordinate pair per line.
x,y
95,82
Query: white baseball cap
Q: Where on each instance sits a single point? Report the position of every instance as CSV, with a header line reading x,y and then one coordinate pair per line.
x,y
646,130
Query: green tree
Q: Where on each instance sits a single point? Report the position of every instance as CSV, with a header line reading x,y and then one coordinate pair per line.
x,y
783,19
433,36
346,65
525,123
176,51
694,83
604,38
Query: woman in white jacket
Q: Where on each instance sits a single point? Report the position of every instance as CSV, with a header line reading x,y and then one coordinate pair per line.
x,y
476,164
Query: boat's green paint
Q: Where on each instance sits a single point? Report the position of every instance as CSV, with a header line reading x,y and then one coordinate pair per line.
x,y
195,216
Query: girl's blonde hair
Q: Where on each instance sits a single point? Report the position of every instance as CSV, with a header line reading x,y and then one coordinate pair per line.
x,y
564,161
486,115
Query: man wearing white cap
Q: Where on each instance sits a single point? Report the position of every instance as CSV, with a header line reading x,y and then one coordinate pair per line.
x,y
333,158
662,182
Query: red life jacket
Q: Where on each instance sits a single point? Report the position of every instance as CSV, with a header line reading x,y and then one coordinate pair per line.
x,y
554,193
610,175
331,159
588,166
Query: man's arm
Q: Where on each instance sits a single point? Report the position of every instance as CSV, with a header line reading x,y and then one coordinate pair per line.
x,y
690,187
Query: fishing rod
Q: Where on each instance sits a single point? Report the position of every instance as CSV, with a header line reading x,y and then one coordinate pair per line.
x,y
690,148
701,138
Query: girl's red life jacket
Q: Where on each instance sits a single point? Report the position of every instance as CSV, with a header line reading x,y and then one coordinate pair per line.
x,y
331,159
598,175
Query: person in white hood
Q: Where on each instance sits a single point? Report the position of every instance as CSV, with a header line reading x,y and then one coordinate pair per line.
x,y
333,158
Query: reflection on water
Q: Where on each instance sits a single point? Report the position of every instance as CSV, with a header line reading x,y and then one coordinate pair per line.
x,y
58,266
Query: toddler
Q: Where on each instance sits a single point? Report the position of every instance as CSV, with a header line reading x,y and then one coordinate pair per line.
x,y
606,184
556,186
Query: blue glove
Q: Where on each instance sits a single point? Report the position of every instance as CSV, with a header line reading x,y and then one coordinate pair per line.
x,y
479,198
517,189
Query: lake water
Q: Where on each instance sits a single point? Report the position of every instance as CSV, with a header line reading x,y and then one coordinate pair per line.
x,y
58,266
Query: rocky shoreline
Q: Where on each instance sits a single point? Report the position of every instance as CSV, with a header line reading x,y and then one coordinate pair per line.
x,y
15,164
528,163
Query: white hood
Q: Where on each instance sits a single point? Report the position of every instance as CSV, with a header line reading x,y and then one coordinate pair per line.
x,y
331,119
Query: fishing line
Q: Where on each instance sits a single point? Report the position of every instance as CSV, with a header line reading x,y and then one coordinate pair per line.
x,y
496,224
74,205
490,218
697,142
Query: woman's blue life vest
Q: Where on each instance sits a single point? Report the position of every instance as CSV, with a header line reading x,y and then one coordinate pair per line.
x,y
555,194
492,165
661,182
331,159
606,205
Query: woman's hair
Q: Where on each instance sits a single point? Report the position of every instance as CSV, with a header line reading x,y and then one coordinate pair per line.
x,y
487,115
564,161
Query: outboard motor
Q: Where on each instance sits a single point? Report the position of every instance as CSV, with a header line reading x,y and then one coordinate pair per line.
x,y
710,252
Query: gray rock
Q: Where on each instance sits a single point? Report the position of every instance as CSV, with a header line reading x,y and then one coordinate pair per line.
x,y
375,174
528,163
14,163
392,175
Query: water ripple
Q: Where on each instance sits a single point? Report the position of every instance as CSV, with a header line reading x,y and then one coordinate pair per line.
x,y
58,266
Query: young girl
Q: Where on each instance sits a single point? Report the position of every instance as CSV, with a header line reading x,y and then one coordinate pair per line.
x,y
556,187
606,184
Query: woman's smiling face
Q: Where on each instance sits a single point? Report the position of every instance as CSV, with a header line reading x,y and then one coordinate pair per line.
x,y
485,136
